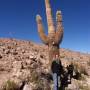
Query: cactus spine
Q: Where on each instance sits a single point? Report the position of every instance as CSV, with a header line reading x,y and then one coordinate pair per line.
x,y
55,34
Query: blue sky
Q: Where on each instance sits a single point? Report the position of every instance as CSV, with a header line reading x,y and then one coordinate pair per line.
x,y
18,20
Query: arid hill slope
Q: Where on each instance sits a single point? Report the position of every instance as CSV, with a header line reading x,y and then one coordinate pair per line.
x,y
20,60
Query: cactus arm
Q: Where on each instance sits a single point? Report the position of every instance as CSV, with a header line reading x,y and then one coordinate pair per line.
x,y
51,28
43,37
59,28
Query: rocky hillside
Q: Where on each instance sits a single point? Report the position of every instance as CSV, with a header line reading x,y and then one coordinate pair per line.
x,y
24,63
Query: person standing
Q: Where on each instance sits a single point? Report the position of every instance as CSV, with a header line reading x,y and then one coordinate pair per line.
x,y
57,70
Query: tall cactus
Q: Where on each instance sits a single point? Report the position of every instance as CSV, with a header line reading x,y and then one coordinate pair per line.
x,y
55,34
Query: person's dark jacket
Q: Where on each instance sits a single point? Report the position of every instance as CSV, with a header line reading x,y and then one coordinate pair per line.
x,y
56,67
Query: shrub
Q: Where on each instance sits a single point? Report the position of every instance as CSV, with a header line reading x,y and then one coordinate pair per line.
x,y
83,87
80,68
63,56
83,71
10,85
37,80
88,62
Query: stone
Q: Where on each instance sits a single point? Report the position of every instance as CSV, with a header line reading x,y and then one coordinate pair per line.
x,y
27,87
0,56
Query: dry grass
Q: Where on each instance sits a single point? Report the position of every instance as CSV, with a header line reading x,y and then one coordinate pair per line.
x,y
10,85
83,86
80,68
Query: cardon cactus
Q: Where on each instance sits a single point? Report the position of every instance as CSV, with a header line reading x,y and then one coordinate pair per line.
x,y
55,34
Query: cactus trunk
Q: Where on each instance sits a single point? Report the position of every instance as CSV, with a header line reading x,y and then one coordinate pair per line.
x,y
53,50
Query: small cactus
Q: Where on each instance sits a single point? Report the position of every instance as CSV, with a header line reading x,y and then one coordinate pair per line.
x,y
55,34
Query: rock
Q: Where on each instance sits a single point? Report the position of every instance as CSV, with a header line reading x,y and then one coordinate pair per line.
x,y
0,56
17,64
73,85
7,51
14,52
27,87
